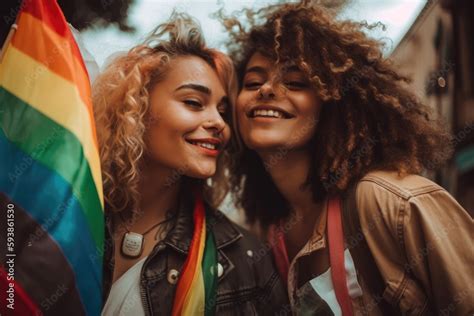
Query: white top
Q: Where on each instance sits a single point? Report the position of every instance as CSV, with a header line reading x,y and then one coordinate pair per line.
x,y
322,284
124,298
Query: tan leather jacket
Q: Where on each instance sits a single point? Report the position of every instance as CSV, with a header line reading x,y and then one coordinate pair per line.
x,y
421,242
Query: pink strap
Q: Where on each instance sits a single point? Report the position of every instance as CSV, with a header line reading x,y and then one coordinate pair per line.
x,y
336,256
277,242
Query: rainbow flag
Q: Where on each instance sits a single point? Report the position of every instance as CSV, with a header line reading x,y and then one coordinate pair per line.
x,y
50,179
197,286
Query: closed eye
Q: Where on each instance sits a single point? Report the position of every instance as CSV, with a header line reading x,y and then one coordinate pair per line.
x,y
252,85
193,103
296,84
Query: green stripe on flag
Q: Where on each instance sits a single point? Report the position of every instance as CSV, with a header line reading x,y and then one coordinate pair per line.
x,y
209,268
56,148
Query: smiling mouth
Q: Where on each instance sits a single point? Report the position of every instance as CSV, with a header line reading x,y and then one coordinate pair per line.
x,y
210,145
269,112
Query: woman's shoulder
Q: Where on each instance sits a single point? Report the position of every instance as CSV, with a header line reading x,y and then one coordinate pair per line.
x,y
398,199
392,183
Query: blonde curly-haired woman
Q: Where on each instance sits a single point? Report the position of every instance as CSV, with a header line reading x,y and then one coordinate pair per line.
x,y
162,114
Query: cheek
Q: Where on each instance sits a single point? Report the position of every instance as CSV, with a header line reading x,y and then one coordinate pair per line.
x,y
242,99
167,146
165,137
163,142
307,104
308,118
302,132
226,134
240,112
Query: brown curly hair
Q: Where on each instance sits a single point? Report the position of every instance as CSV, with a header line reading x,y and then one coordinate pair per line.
x,y
369,120
121,105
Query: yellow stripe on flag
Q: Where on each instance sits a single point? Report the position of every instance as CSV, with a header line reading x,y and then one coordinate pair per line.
x,y
33,82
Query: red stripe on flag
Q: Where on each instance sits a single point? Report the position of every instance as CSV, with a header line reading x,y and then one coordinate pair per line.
x,y
49,12
13,293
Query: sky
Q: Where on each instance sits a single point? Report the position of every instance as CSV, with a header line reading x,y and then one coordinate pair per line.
x,y
397,15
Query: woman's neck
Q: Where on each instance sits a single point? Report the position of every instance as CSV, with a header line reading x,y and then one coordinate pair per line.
x,y
159,189
289,173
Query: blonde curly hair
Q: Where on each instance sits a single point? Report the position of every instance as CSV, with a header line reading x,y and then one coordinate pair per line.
x,y
121,103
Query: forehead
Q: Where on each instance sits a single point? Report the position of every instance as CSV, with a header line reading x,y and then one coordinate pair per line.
x,y
193,69
260,60
261,63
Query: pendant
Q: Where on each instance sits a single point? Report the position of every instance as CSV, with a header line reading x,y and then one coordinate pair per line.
x,y
132,245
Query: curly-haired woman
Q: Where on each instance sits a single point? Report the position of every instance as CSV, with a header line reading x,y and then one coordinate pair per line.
x,y
162,112
327,166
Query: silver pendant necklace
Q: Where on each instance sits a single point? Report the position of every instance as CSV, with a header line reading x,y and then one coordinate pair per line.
x,y
132,243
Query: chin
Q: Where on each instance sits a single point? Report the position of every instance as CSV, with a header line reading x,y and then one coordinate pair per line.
x,y
202,172
263,143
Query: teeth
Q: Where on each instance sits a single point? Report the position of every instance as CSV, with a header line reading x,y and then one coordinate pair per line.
x,y
268,113
206,145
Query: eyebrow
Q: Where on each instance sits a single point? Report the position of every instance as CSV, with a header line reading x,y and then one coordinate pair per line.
x,y
257,69
293,69
224,100
196,87
261,70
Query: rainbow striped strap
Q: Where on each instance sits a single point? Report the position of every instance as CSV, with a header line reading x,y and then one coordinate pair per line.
x,y
197,286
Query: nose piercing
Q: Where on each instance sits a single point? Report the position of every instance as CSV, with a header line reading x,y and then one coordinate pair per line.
x,y
211,123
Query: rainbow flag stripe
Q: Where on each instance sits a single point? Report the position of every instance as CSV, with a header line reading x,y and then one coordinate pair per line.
x,y
50,167
197,286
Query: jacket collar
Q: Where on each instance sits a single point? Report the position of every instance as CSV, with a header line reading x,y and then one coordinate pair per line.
x,y
179,238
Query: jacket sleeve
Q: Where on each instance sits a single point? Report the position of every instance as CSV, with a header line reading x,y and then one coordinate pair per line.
x,y
437,237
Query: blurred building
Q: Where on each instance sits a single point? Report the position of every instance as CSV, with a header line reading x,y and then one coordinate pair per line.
x,y
437,52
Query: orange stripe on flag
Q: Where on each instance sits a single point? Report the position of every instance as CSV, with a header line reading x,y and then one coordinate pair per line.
x,y
49,12
55,52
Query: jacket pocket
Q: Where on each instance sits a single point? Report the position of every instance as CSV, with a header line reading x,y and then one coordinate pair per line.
x,y
409,297
236,302
236,308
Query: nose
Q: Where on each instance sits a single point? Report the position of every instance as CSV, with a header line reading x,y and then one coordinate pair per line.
x,y
266,91
215,122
